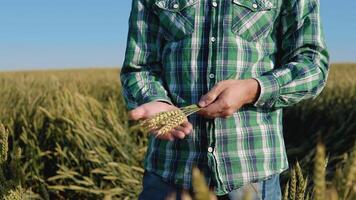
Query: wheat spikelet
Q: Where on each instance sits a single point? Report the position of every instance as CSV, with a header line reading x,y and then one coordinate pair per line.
x,y
8,190
307,197
302,183
293,185
305,188
164,122
338,180
3,153
3,144
350,174
200,187
107,197
15,167
14,194
175,122
160,119
286,191
319,173
331,194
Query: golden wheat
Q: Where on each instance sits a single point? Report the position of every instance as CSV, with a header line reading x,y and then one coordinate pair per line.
x,y
3,144
302,182
319,173
293,186
9,189
201,189
286,191
75,122
351,174
164,122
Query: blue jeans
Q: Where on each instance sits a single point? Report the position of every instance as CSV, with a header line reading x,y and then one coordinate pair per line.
x,y
154,188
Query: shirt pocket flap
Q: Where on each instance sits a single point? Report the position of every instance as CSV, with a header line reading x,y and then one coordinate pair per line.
x,y
256,5
174,5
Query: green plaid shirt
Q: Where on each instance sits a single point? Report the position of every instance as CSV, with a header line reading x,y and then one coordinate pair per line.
x,y
177,50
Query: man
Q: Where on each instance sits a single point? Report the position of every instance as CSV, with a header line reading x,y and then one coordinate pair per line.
x,y
243,61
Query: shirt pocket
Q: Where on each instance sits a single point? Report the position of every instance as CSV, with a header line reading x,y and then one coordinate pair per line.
x,y
253,19
176,17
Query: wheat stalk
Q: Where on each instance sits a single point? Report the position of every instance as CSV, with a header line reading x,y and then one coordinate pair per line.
x,y
3,144
293,185
302,182
319,173
350,174
201,189
286,191
164,122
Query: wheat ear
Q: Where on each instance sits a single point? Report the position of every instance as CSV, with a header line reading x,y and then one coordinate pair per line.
x,y
319,173
164,122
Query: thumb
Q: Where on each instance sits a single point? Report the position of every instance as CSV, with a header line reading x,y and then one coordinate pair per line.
x,y
137,113
211,96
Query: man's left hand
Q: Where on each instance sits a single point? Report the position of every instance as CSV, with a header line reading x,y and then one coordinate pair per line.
x,y
228,96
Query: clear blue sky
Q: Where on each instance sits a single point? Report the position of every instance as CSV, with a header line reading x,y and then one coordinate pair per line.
x,y
37,34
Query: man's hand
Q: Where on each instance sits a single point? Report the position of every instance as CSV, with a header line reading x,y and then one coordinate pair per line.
x,y
147,110
226,97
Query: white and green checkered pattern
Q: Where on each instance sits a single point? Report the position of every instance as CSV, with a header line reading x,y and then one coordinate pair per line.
x,y
177,50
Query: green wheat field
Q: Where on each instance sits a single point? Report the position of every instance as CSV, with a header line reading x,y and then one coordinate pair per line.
x,y
65,135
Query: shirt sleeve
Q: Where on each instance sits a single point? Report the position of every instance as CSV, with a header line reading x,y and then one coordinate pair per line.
x,y
140,74
304,58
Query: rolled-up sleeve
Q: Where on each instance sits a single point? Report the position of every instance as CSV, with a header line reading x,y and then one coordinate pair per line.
x,y
304,59
140,74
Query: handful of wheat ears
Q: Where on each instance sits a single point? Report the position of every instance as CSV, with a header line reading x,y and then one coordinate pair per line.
x,y
164,122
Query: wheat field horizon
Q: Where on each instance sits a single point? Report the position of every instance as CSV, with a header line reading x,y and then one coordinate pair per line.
x,y
68,129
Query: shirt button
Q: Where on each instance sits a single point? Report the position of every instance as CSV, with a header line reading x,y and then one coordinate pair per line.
x,y
210,149
212,39
211,76
269,4
175,6
254,5
215,4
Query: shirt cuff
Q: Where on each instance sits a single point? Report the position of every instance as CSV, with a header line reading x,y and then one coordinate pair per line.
x,y
269,92
133,102
155,98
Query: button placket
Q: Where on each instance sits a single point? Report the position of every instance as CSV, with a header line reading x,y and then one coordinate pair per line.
x,y
211,76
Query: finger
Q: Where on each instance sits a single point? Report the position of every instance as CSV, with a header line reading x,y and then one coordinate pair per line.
x,y
178,134
188,125
227,113
137,113
183,129
211,96
214,109
167,136
224,115
208,114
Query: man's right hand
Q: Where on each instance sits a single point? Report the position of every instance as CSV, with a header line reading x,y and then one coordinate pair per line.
x,y
147,110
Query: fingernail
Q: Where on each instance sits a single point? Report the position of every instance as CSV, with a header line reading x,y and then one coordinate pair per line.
x,y
202,103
